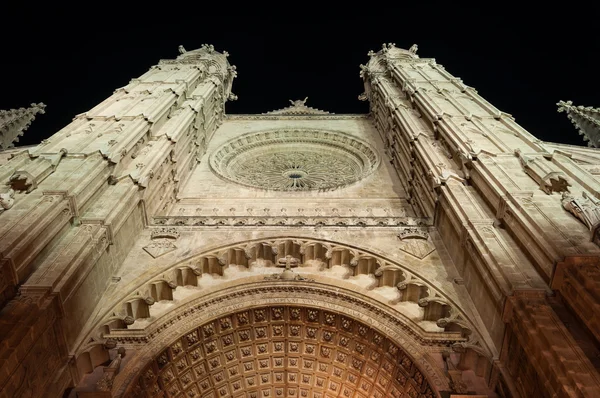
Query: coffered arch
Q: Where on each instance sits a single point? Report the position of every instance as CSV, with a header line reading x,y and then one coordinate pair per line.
x,y
279,338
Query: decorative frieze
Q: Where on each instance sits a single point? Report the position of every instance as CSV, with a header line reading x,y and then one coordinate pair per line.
x,y
274,221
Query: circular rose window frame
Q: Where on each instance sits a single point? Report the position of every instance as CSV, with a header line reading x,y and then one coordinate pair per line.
x,y
294,160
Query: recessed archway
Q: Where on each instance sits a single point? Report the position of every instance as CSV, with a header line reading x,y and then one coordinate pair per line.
x,y
282,339
283,351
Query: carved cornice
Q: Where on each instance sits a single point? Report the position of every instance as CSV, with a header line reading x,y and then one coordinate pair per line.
x,y
310,253
359,222
296,117
308,288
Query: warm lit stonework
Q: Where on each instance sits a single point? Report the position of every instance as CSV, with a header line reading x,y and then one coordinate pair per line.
x,y
156,247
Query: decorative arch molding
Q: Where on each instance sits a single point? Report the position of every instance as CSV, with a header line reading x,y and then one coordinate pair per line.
x,y
312,257
344,304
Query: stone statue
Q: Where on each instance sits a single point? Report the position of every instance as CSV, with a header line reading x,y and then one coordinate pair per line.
x,y
106,381
454,375
585,208
7,200
182,50
413,49
299,102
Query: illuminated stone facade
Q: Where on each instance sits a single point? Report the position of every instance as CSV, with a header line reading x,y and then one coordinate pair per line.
x,y
156,247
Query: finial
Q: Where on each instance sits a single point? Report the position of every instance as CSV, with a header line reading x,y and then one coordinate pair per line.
x,y
208,47
564,106
299,102
181,49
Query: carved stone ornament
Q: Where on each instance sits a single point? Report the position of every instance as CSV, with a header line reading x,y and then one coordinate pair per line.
x,y
585,208
110,372
298,108
164,232
7,200
160,247
543,173
294,160
162,241
416,242
288,275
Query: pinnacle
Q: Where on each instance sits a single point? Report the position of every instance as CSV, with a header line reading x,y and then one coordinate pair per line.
x,y
585,118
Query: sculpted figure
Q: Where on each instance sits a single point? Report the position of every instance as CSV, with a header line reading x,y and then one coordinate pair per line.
x,y
586,209
299,102
413,49
7,200
182,50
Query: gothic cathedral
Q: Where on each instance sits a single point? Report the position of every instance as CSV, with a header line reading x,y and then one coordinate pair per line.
x,y
158,247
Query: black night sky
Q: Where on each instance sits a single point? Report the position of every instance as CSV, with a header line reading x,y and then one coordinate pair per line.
x,y
522,64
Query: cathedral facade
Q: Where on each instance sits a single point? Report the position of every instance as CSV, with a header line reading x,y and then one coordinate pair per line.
x,y
156,247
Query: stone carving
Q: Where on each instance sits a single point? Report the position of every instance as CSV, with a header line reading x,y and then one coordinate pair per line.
x,y
7,200
292,160
299,102
429,296
288,274
585,208
162,241
455,375
543,173
298,108
209,48
416,242
264,221
283,116
181,49
110,372
164,232
413,49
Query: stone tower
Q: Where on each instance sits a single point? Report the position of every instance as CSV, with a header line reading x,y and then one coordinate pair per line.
x,y
156,247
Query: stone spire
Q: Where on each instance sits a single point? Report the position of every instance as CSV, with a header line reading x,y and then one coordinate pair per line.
x,y
14,121
586,119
